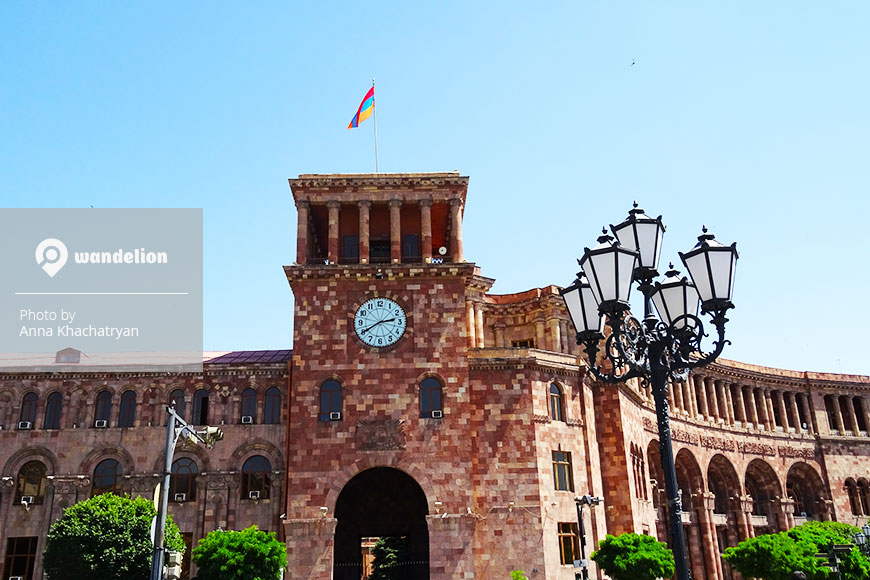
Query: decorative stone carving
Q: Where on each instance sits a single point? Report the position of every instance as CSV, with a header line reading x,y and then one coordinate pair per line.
x,y
383,435
755,448
804,453
144,484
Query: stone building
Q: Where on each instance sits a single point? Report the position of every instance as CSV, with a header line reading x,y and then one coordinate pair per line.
x,y
417,404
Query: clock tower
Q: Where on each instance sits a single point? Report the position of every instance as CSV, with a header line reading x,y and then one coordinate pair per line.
x,y
379,442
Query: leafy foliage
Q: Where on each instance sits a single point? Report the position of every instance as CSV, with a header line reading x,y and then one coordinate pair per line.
x,y
106,537
250,554
518,575
777,556
634,557
389,552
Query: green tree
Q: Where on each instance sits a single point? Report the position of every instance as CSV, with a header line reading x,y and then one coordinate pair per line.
x,y
634,557
106,537
388,552
250,554
518,575
777,556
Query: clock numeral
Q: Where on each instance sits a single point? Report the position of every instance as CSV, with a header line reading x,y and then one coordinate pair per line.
x,y
389,338
380,341
359,322
380,303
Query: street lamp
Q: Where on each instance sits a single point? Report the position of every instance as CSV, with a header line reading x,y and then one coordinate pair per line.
x,y
581,501
656,349
176,427
861,539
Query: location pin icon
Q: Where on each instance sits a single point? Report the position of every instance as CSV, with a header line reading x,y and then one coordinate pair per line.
x,y
51,255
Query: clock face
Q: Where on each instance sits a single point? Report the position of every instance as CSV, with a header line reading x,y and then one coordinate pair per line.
x,y
379,322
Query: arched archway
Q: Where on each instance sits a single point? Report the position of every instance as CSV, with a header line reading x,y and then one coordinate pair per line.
x,y
381,502
805,488
764,488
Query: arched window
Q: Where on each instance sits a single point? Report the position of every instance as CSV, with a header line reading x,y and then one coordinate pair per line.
x,y
176,397
330,400
430,398
53,408
852,492
107,475
864,496
183,480
249,405
200,407
28,408
104,408
272,406
127,412
256,477
557,403
792,493
31,482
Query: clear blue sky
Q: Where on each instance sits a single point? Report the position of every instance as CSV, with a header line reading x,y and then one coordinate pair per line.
x,y
750,117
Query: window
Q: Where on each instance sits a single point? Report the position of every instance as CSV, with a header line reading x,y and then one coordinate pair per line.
x,y
20,557
562,472
272,406
557,407
53,408
430,396
410,247
350,248
104,407
31,481
176,398
569,546
852,491
127,412
525,343
864,496
183,480
256,476
330,399
200,407
28,407
106,476
249,403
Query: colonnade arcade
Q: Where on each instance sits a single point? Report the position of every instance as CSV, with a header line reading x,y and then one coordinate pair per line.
x,y
723,506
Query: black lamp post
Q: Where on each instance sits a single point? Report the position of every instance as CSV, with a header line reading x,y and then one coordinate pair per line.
x,y
581,501
655,350
861,539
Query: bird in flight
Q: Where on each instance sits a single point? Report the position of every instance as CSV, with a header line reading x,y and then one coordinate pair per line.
x,y
632,62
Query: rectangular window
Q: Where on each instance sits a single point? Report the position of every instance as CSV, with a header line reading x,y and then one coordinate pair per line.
x,y
350,248
525,343
562,472
20,557
411,247
569,545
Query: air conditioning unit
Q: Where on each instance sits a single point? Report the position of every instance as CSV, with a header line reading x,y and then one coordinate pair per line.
x,y
180,497
247,420
25,425
253,495
335,416
26,500
437,414
101,423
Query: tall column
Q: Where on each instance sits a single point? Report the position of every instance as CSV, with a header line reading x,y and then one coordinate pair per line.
x,y
805,405
746,511
364,219
676,388
765,410
740,404
687,398
865,407
791,403
753,405
540,333
426,229
563,331
838,415
711,541
702,392
768,400
395,230
729,402
456,229
555,334
478,331
719,388
780,402
301,232
470,324
693,395
853,419
498,329
713,402
332,245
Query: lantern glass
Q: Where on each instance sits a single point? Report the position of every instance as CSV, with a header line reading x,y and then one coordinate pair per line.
x,y
582,306
643,234
866,530
860,538
609,267
711,266
675,298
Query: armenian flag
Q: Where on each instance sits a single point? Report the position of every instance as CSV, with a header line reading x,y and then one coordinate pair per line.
x,y
365,109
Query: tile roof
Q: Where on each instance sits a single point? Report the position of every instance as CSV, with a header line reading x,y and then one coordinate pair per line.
x,y
248,357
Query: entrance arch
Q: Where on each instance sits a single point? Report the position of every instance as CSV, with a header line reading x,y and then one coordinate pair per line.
x,y
377,503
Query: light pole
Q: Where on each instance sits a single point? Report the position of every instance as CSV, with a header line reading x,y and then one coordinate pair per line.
x,y
583,501
176,427
861,539
654,350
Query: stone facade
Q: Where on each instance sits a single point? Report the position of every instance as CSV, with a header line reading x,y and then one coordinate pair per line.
x,y
470,434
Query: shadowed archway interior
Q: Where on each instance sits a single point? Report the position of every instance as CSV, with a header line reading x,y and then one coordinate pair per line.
x,y
381,502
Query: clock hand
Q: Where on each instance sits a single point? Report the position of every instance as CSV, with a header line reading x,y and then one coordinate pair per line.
x,y
365,330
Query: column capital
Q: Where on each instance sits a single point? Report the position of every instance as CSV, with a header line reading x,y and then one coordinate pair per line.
x,y
395,203
364,203
333,204
456,201
425,203
302,204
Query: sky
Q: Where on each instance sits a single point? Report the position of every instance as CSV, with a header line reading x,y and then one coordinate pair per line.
x,y
748,117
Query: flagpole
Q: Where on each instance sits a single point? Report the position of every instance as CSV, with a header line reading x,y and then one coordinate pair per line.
x,y
375,114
